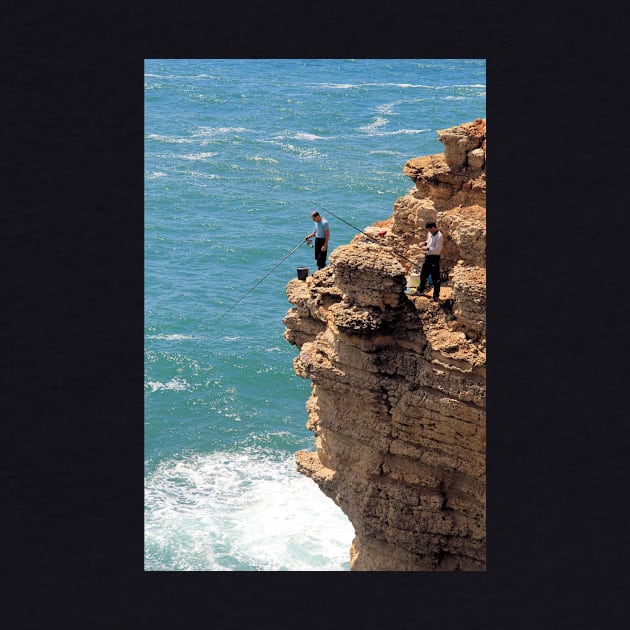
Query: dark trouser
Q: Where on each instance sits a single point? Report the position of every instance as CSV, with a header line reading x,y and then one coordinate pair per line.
x,y
430,267
320,256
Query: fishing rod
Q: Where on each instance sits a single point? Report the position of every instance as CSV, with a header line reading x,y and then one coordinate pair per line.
x,y
260,281
415,265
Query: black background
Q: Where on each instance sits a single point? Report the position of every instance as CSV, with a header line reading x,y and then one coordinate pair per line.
x,y
72,316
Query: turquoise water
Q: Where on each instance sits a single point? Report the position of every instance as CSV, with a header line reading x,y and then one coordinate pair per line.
x,y
236,152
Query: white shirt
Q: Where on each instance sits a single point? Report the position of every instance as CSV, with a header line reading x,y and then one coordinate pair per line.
x,y
434,243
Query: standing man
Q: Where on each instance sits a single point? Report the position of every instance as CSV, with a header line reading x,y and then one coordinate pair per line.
x,y
431,266
321,234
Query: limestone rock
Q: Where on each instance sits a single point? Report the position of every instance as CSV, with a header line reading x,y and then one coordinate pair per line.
x,y
461,140
476,158
398,395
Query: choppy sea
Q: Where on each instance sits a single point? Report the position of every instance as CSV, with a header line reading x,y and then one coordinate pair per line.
x,y
237,152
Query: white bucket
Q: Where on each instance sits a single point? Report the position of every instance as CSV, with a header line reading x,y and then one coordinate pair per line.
x,y
413,281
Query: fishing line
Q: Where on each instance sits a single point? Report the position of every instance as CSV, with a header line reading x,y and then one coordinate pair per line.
x,y
414,264
260,281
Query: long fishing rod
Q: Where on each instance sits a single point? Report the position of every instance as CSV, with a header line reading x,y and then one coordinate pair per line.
x,y
414,264
260,281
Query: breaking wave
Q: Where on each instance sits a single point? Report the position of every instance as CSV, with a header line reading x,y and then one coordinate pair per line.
x,y
242,511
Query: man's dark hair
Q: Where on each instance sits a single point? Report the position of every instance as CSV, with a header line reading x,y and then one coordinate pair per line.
x,y
430,224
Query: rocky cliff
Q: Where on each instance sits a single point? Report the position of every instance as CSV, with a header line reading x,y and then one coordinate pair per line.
x,y
398,382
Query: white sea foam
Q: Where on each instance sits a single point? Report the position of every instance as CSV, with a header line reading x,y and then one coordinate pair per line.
x,y
301,135
168,139
173,337
306,154
387,108
348,86
337,86
385,152
166,76
175,384
200,175
423,86
399,131
197,156
180,76
243,511
258,158
298,135
154,175
374,129
217,131
378,122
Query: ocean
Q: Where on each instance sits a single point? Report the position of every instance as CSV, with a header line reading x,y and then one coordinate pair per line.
x,y
237,152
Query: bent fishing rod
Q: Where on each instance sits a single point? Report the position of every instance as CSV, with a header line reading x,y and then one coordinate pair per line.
x,y
414,264
260,281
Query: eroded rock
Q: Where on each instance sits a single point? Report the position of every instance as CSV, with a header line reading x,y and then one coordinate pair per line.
x,y
398,396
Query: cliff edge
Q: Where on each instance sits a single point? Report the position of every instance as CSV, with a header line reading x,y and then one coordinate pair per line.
x,y
398,382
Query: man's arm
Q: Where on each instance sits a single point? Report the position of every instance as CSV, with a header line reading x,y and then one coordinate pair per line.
x,y
325,245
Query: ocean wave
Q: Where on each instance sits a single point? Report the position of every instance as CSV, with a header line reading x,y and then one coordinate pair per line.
x,y
306,154
168,139
399,131
217,131
336,86
259,158
175,384
172,337
298,135
154,175
199,175
197,156
349,86
385,152
388,108
307,136
378,122
241,511
179,76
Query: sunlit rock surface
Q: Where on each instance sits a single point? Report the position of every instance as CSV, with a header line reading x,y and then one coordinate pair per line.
x,y
398,394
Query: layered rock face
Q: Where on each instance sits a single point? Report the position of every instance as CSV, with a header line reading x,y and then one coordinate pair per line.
x,y
398,382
